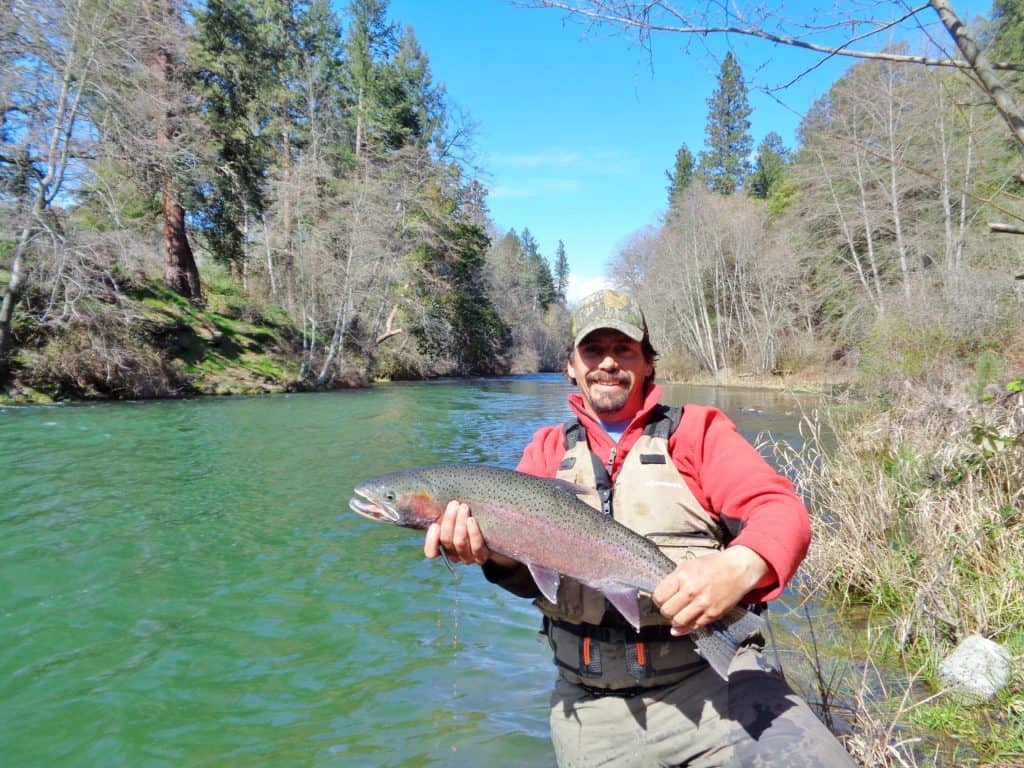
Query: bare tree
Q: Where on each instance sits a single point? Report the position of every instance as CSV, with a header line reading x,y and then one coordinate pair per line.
x,y
849,33
713,284
42,126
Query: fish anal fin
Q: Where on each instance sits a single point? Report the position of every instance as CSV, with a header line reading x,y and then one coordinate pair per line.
x,y
625,602
546,579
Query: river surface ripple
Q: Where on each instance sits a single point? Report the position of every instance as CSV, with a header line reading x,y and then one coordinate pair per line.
x,y
181,583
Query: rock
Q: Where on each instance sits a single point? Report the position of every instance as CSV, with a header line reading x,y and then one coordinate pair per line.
x,y
977,667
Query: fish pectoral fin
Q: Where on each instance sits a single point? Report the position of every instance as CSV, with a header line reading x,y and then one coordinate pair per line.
x,y
546,579
625,602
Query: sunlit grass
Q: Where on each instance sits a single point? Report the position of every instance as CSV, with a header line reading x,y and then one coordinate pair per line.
x,y
918,512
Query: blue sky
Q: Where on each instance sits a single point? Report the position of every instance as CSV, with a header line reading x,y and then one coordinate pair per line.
x,y
576,128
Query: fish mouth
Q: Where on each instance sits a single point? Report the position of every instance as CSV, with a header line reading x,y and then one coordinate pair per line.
x,y
371,509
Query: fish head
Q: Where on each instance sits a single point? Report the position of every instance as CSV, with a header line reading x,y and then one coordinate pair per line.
x,y
400,498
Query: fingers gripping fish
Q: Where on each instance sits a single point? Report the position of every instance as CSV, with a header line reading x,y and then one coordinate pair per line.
x,y
543,524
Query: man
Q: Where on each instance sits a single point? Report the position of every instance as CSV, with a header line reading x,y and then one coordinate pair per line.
x,y
737,531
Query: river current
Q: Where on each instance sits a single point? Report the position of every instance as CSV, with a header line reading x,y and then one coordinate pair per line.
x,y
181,582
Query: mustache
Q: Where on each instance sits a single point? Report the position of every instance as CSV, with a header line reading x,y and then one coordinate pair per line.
x,y
604,378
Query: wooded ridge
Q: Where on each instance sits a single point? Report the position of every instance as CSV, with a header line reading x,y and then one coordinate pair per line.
x,y
300,169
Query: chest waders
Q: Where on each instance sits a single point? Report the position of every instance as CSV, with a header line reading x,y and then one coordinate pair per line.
x,y
592,644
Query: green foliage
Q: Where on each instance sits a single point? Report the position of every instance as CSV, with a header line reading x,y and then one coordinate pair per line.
x,y
459,318
561,272
903,348
988,369
239,59
539,273
723,163
681,175
770,167
1008,31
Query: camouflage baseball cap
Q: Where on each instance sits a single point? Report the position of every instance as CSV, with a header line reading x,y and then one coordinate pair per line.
x,y
607,309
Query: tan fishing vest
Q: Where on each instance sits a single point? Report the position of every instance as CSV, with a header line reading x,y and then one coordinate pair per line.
x,y
649,496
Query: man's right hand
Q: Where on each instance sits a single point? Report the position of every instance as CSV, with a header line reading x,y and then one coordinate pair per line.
x,y
460,536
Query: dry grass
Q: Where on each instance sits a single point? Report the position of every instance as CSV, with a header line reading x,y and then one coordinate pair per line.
x,y
918,512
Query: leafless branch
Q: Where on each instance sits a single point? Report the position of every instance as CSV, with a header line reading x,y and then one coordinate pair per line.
x,y
389,329
637,17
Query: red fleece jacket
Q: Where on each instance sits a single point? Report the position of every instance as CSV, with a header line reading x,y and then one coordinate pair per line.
x,y
729,478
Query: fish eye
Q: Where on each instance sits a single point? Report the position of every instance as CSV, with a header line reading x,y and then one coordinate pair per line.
x,y
389,496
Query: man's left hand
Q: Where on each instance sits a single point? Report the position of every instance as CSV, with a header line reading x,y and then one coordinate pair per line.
x,y
702,590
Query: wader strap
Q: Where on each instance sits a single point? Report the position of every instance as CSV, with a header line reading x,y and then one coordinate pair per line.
x,y
574,433
662,422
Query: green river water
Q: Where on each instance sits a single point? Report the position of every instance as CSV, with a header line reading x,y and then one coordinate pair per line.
x,y
182,584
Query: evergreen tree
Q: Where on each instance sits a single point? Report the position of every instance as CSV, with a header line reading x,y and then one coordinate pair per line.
x,y
769,168
459,317
681,175
411,105
561,272
370,43
540,277
238,55
724,163
1008,31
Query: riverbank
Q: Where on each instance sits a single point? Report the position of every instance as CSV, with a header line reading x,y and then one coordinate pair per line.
x,y
146,342
152,344
918,513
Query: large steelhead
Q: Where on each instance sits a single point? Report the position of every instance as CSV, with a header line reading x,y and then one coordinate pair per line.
x,y
543,524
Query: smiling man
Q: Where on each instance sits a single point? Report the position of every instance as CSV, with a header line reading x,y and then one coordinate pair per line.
x,y
687,480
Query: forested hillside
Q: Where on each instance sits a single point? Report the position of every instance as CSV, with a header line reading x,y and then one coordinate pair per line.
x,y
280,192
272,163
864,252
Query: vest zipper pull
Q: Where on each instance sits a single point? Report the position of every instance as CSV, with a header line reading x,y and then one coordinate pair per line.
x,y
611,461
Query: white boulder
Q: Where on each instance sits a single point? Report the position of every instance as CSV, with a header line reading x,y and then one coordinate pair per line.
x,y
977,667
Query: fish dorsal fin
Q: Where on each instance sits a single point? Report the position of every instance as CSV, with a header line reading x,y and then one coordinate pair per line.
x,y
625,602
546,580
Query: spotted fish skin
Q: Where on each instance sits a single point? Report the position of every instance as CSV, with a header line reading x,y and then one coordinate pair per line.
x,y
544,524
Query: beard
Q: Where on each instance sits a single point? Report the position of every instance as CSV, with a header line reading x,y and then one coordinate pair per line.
x,y
609,400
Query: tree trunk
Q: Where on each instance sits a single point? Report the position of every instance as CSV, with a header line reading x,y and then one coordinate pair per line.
x,y
982,68
286,220
180,272
10,298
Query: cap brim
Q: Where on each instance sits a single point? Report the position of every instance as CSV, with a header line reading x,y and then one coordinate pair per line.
x,y
634,332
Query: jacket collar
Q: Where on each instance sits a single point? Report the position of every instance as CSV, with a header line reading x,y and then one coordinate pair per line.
x,y
639,421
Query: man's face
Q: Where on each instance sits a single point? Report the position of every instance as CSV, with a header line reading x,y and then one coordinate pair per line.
x,y
610,369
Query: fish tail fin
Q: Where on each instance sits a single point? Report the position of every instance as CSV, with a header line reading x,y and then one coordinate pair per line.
x,y
719,641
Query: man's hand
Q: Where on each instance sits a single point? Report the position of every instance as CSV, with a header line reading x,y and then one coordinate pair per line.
x,y
460,536
702,590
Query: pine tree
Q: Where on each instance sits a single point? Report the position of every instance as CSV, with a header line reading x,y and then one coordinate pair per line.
x,y
542,282
371,41
681,175
238,55
724,163
561,272
769,168
411,105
